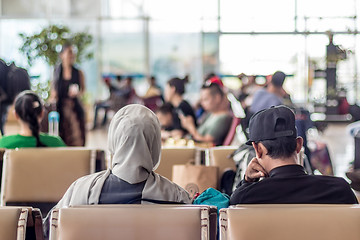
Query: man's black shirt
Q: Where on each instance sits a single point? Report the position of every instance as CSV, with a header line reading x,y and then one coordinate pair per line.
x,y
290,184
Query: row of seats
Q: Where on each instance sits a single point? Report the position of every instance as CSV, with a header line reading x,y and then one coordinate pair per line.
x,y
191,222
39,177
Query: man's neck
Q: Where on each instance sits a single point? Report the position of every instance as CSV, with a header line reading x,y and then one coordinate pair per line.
x,y
279,162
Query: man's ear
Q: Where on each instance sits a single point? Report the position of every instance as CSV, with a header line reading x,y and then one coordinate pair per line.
x,y
260,150
257,149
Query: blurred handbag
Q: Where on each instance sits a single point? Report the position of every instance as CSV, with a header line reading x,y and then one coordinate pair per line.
x,y
195,178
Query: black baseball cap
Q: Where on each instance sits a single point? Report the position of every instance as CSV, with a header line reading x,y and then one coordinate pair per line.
x,y
263,124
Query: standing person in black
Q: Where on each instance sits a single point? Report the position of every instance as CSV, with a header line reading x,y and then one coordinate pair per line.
x,y
68,86
174,90
274,177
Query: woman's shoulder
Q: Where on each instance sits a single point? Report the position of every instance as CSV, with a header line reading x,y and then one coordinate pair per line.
x,y
51,141
168,190
13,141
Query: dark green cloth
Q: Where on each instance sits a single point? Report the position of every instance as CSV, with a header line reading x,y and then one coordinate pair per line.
x,y
216,126
18,141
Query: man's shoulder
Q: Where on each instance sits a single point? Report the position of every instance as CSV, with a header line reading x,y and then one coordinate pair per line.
x,y
329,179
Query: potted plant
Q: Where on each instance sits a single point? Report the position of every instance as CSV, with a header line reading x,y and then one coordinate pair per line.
x,y
47,45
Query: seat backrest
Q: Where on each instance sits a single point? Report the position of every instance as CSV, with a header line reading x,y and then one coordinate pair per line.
x,y
219,156
171,156
43,175
320,222
130,222
13,223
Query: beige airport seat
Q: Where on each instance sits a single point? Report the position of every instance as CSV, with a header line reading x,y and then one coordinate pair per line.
x,y
298,222
13,223
112,222
39,177
171,156
219,156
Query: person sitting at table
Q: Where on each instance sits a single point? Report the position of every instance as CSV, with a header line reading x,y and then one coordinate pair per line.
x,y
217,124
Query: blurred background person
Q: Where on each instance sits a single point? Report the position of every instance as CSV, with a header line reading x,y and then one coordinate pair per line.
x,y
29,111
217,124
67,88
273,95
13,80
169,122
174,90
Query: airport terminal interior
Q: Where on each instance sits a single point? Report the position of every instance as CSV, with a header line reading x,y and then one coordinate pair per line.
x,y
75,75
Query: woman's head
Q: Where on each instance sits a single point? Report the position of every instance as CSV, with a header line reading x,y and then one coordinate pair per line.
x,y
29,109
175,86
134,141
67,54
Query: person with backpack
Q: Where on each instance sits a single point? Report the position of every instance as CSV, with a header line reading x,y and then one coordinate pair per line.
x,y
13,80
29,112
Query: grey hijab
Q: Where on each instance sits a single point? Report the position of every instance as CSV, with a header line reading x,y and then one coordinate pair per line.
x,y
135,144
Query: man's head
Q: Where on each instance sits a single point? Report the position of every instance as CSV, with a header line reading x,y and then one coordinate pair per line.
x,y
273,134
165,115
211,97
278,79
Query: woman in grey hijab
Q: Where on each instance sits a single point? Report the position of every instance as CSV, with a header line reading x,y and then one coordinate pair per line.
x,y
134,141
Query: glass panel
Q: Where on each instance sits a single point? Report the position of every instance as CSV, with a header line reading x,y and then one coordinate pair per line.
x,y
24,8
123,49
176,54
334,24
60,8
182,10
209,25
10,43
257,15
84,8
326,15
210,53
263,55
125,8
326,8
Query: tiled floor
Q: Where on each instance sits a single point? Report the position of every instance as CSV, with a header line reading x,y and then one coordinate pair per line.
x,y
340,144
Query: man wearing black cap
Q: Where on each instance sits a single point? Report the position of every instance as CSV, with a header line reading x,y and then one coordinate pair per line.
x,y
274,176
